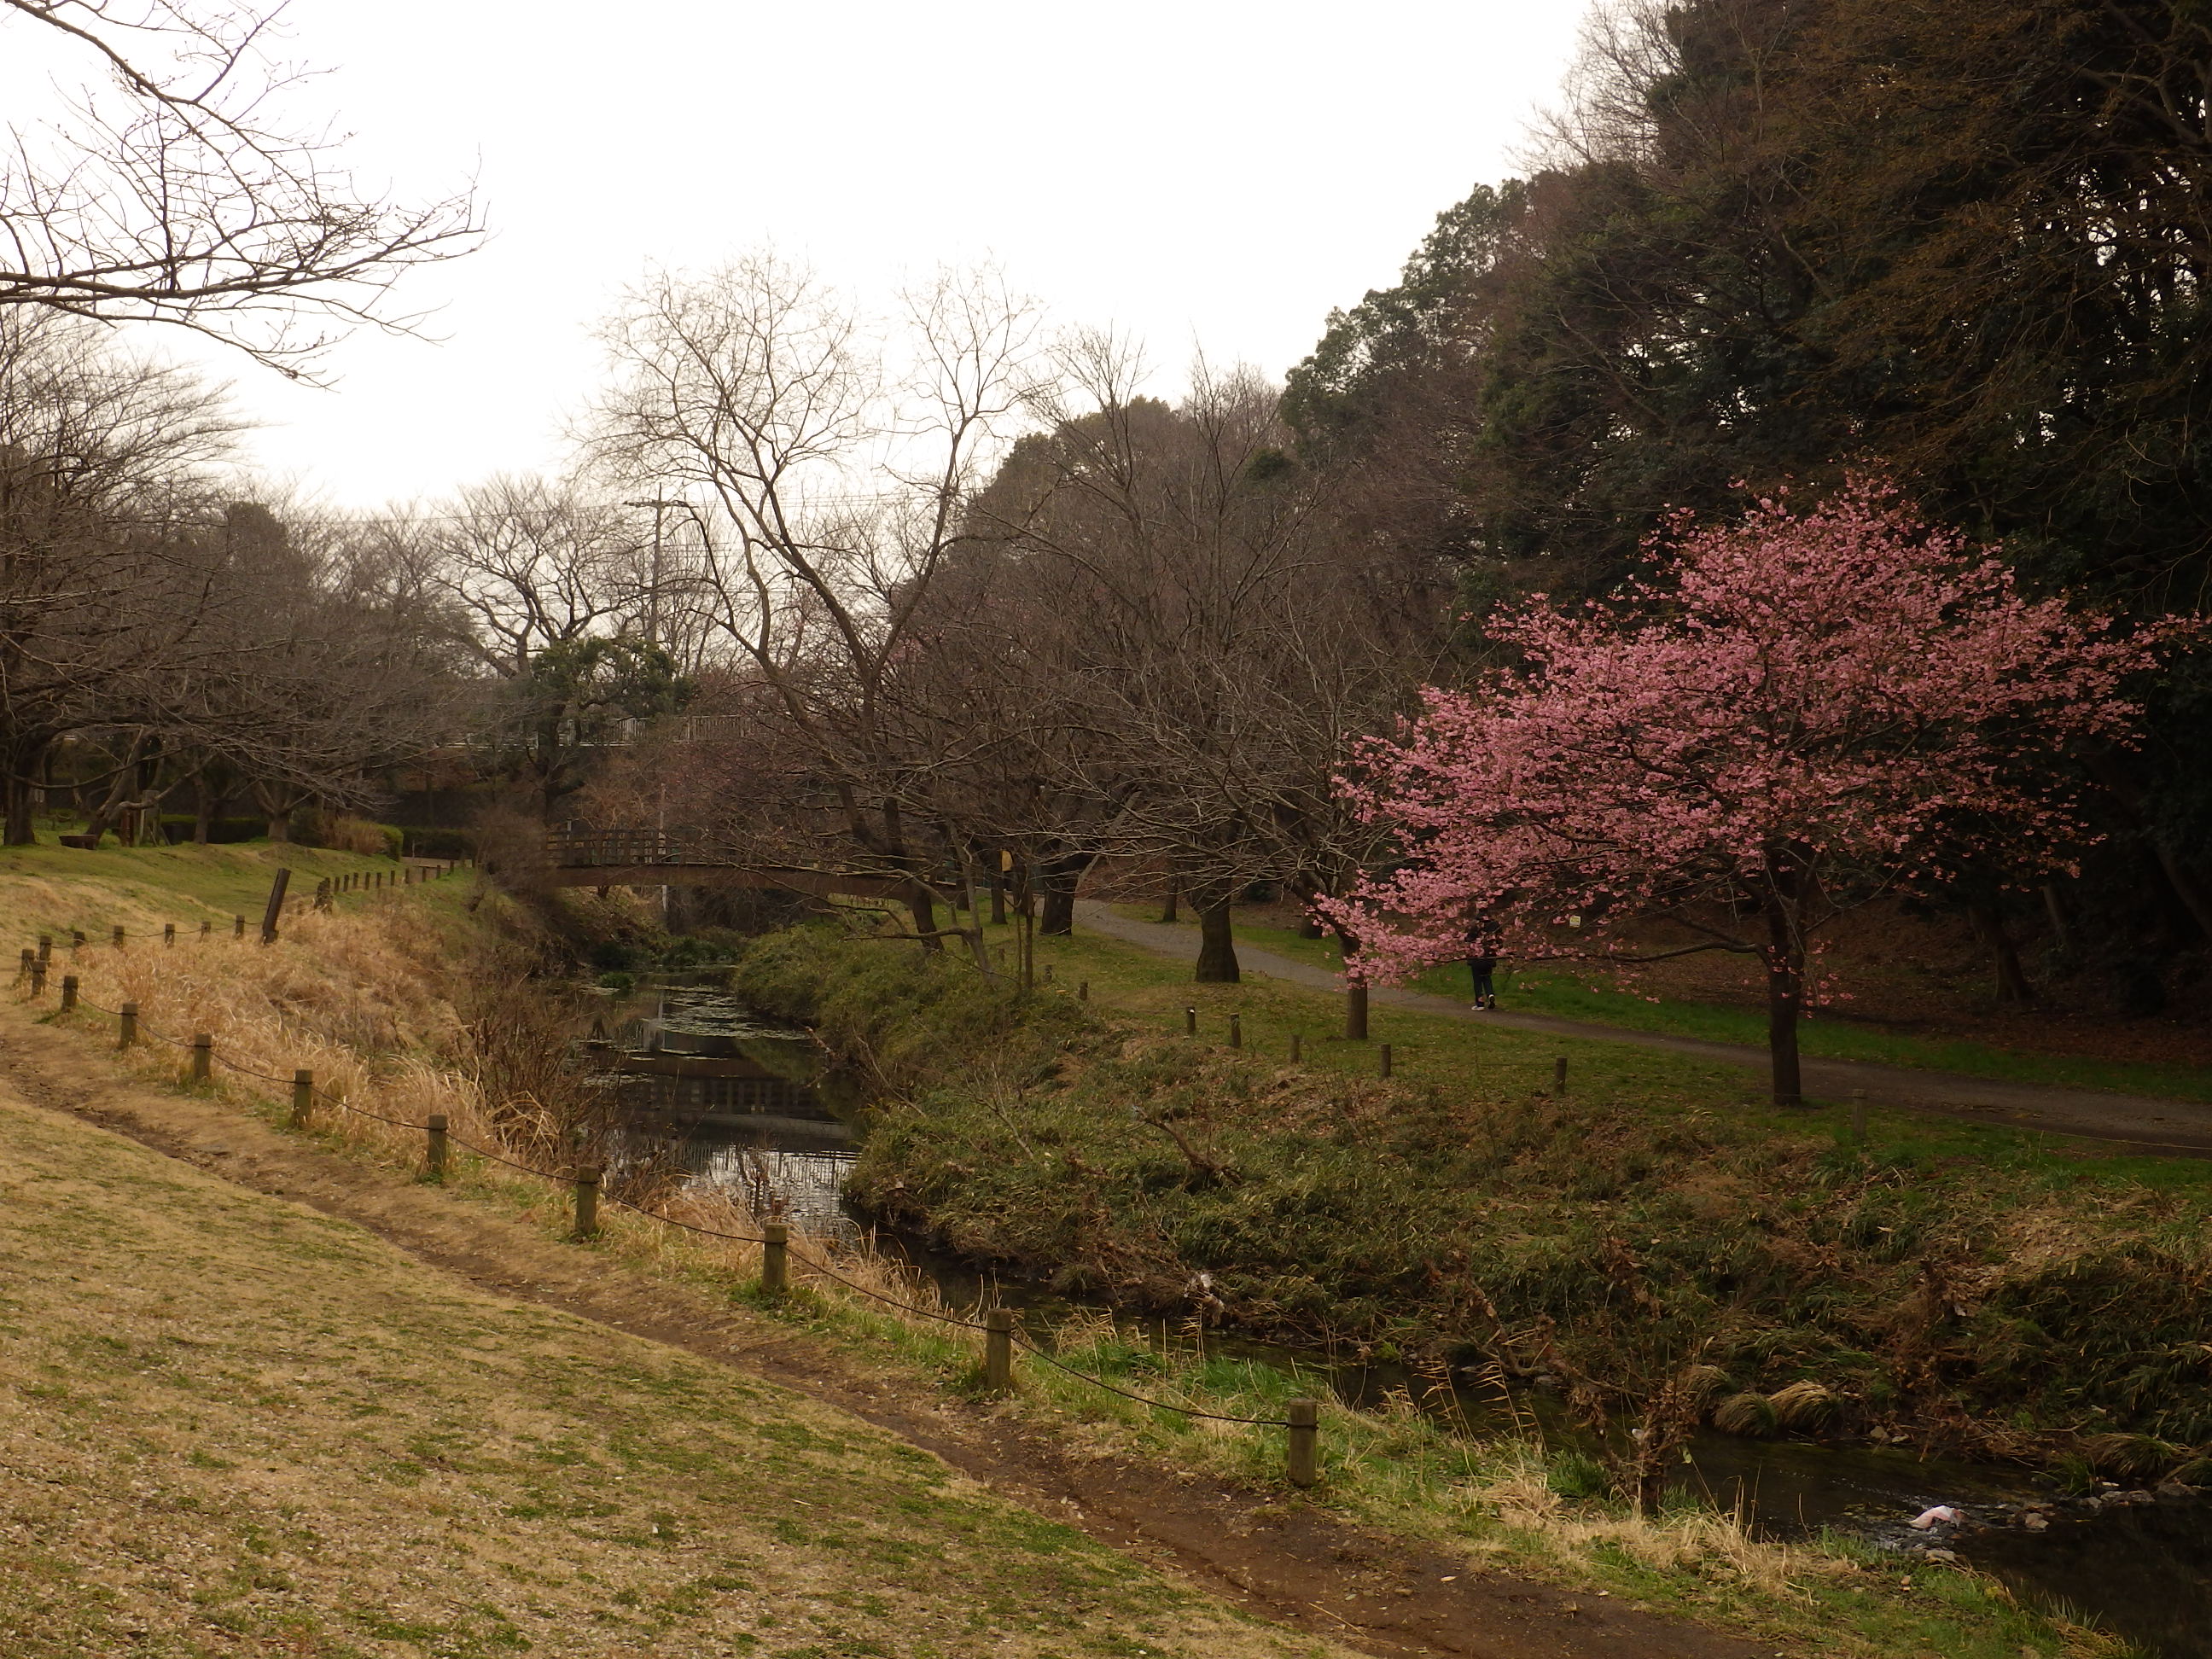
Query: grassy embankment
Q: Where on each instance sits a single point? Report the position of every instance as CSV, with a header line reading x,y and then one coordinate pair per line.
x,y
362,989
234,1420
1965,1285
1560,993
234,1424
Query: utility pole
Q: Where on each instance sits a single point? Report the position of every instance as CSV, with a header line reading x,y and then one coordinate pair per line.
x,y
653,599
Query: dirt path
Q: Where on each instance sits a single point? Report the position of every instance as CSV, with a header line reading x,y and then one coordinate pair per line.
x,y
2179,1125
1291,1564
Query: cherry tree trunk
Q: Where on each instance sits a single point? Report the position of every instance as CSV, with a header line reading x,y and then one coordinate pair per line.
x,y
1216,947
1785,1005
1355,995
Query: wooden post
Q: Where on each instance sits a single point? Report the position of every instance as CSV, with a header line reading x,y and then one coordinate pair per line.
x,y
206,927
999,1350
283,880
45,949
127,1032
1083,992
76,938
1295,1047
1235,1031
776,1258
68,993
1355,1013
1560,1077
1190,1022
1858,1117
1047,973
202,1056
434,1164
1304,1464
118,938
238,926
1384,1055
30,962
303,1098
587,1203
37,976
169,935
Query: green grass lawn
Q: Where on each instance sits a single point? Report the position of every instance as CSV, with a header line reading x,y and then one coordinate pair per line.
x,y
1490,1061
53,887
1563,995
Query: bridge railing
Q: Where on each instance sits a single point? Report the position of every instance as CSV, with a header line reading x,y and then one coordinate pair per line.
x,y
572,847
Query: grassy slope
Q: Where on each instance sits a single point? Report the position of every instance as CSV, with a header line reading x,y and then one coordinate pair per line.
x,y
1395,1469
1555,991
1022,1141
1959,1280
229,1420
51,889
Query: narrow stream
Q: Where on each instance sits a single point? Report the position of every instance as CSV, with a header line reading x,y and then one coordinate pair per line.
x,y
749,1111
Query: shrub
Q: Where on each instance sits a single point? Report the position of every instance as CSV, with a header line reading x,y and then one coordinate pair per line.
x,y
177,829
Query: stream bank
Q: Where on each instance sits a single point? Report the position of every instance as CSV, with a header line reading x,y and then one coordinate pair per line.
x,y
753,1110
2027,1331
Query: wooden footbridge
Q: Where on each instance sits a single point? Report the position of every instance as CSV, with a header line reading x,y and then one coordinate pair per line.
x,y
579,857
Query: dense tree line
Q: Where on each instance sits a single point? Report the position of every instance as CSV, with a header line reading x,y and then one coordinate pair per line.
x,y
1964,245
160,635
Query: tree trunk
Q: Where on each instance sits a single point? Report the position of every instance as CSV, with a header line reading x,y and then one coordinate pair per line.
x,y
2062,931
2012,987
22,830
922,904
1169,911
1785,1006
1355,993
1061,876
1216,947
998,897
1309,928
203,816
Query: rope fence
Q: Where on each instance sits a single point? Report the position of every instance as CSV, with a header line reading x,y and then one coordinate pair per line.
x,y
1300,1418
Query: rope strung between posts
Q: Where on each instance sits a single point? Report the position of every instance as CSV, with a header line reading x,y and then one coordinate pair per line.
x,y
822,1267
1021,1342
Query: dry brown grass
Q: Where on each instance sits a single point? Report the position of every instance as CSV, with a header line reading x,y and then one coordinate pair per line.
x,y
373,1000
229,1425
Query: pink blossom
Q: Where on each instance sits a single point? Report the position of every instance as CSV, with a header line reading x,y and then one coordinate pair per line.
x,y
1792,713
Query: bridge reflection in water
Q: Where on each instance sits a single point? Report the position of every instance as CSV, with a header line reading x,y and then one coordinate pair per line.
x,y
733,1100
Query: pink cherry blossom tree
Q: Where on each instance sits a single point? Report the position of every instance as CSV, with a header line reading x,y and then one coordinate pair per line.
x,y
1793,713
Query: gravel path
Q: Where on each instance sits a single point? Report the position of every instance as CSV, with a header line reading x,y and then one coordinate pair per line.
x,y
2181,1126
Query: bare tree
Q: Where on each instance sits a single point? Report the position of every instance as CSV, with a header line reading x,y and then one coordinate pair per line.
x,y
1209,639
178,195
100,581
533,563
825,471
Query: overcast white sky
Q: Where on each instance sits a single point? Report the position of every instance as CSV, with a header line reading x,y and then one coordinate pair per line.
x,y
1212,173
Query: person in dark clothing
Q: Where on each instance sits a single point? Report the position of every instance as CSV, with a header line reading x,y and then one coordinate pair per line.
x,y
1481,964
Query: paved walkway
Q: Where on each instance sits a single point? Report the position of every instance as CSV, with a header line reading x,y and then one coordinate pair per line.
x,y
2184,1125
